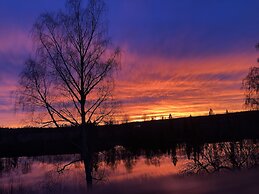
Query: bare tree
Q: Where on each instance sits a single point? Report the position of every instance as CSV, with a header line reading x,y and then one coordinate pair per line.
x,y
144,117
251,85
70,76
126,118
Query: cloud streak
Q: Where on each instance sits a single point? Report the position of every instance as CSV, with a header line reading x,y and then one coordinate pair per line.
x,y
163,86
179,57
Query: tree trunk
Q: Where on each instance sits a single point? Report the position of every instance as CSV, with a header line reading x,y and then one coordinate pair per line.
x,y
86,154
83,122
88,170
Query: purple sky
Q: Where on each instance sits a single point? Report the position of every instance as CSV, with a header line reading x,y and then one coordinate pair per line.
x,y
191,54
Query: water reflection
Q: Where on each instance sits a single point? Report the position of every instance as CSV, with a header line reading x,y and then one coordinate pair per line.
x,y
66,173
210,158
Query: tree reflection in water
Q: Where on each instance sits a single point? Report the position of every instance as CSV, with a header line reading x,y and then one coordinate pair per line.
x,y
216,157
201,158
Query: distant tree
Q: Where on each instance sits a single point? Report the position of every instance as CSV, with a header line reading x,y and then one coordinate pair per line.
x,y
125,118
211,112
70,76
251,85
144,117
109,122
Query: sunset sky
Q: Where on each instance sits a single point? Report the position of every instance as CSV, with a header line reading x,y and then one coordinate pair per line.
x,y
178,56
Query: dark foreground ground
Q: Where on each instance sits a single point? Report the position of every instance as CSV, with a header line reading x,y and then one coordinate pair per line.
x,y
214,128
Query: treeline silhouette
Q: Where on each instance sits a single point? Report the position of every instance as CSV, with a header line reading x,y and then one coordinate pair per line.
x,y
213,128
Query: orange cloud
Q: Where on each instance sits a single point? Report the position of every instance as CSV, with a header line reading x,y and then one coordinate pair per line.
x,y
158,86
161,86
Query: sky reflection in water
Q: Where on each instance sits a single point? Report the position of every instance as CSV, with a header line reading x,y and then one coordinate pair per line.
x,y
184,169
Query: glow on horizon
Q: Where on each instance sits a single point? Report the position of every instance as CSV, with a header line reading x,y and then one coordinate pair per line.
x,y
166,89
174,62
190,87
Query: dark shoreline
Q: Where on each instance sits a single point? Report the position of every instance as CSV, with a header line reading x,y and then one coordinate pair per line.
x,y
213,128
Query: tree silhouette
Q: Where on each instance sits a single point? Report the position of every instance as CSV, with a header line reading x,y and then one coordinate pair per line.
x,y
251,85
70,76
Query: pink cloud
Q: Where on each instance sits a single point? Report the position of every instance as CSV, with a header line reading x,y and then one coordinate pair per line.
x,y
159,86
156,85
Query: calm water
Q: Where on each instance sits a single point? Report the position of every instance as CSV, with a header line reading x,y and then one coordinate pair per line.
x,y
230,167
